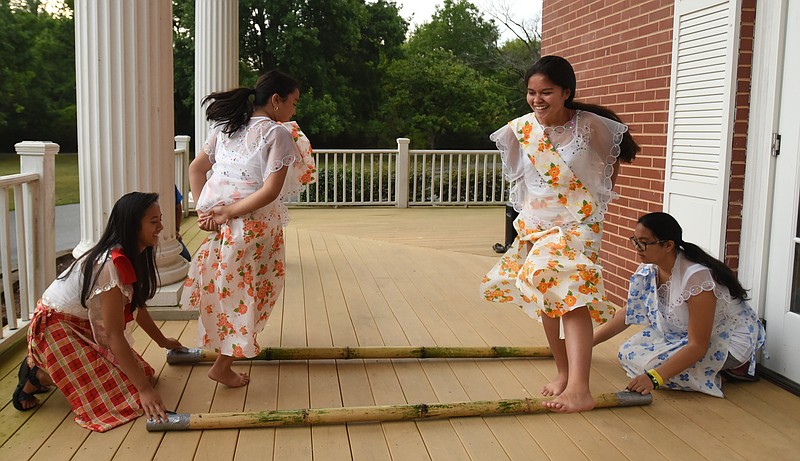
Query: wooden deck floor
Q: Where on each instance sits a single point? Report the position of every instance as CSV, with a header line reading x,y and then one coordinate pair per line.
x,y
405,277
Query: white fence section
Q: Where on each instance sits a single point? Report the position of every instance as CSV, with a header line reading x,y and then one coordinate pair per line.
x,y
33,190
182,169
402,177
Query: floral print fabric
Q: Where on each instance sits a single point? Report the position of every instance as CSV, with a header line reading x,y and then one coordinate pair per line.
x,y
553,265
238,272
665,313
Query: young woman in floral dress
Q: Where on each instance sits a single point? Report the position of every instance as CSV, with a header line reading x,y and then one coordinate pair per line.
x,y
257,157
562,160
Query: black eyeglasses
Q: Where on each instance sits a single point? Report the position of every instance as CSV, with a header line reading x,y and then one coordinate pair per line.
x,y
642,246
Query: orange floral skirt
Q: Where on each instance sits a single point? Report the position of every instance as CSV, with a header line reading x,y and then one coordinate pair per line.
x,y
551,272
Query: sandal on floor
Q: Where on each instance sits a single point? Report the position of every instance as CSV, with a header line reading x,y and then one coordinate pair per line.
x,y
739,373
26,374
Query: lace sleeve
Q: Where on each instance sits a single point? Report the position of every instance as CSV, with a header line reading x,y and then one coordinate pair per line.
x,y
210,146
107,278
508,145
697,279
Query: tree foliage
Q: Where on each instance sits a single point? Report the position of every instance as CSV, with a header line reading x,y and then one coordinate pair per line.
x,y
37,76
365,80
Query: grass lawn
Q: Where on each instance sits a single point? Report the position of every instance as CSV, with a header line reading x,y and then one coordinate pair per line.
x,y
67,191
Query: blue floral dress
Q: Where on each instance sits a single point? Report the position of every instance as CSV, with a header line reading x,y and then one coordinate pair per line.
x,y
665,313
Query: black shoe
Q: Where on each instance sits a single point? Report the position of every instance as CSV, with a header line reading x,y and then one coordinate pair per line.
x,y
500,248
26,374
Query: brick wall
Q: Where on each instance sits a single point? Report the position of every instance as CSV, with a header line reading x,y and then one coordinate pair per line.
x,y
738,154
622,53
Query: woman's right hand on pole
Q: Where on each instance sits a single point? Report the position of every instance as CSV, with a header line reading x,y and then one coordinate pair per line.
x,y
152,405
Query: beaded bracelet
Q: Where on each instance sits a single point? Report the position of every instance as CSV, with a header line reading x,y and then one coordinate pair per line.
x,y
655,378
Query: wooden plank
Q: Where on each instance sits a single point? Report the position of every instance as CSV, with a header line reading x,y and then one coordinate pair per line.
x,y
293,330
328,442
9,366
441,439
138,443
197,397
316,320
476,437
402,437
512,436
262,394
367,441
293,392
364,326
388,325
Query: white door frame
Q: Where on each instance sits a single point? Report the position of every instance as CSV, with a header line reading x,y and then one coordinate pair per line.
x,y
765,84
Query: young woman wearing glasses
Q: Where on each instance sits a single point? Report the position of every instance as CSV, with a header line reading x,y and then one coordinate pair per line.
x,y
697,323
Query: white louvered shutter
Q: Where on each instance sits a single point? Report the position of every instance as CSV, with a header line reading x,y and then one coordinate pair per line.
x,y
701,116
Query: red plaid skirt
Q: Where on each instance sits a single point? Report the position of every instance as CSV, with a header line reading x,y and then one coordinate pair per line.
x,y
100,394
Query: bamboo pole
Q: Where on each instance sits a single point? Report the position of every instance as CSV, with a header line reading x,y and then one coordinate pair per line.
x,y
383,352
314,416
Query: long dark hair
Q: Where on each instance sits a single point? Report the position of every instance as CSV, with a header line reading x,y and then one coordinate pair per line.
x,y
233,108
665,227
559,71
122,230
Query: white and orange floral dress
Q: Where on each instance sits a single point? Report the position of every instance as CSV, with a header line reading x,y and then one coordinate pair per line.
x,y
561,186
238,272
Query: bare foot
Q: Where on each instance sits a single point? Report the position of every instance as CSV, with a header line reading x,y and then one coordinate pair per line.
x,y
229,377
570,402
555,387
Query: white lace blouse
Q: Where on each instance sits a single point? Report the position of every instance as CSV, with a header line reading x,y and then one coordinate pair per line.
x,y
64,295
242,162
589,144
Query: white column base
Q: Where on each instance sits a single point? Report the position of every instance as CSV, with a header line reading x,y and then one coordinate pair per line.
x,y
165,305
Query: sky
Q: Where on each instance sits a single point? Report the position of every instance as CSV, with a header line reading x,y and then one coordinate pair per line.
x,y
422,10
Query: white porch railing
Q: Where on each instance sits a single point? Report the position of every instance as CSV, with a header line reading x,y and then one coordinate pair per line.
x,y
34,202
182,169
402,177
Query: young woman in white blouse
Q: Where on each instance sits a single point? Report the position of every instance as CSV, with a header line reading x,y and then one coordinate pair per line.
x,y
78,338
697,323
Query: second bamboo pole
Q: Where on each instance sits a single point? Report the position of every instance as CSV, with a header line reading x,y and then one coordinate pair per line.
x,y
379,352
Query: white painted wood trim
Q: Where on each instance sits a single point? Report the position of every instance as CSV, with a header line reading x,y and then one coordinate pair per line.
x,y
765,86
698,160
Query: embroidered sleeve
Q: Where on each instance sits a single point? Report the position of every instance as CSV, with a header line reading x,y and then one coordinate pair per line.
x,y
210,146
698,279
108,277
508,145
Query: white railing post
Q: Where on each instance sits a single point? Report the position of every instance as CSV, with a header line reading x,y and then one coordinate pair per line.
x,y
401,179
40,157
182,169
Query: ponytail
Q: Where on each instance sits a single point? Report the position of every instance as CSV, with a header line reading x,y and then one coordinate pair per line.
x,y
232,108
559,71
665,227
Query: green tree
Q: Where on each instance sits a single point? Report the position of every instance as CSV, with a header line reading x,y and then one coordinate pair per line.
x,y
458,27
440,102
334,47
37,77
